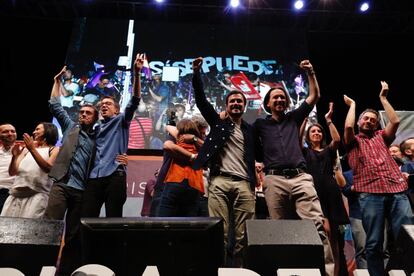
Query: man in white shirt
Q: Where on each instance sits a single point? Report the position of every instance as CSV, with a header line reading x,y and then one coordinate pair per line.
x,y
7,140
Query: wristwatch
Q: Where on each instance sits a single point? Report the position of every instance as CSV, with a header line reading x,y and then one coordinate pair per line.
x,y
195,139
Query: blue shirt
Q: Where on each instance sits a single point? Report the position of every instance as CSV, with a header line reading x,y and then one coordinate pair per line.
x,y
78,167
408,167
111,140
353,202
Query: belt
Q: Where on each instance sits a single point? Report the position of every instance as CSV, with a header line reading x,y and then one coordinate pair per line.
x,y
232,176
288,173
119,173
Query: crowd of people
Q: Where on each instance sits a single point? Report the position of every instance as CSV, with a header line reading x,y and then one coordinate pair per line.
x,y
282,156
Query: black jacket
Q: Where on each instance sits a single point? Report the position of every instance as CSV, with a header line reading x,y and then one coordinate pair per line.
x,y
220,131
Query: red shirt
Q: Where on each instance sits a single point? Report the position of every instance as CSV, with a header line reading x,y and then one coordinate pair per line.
x,y
375,171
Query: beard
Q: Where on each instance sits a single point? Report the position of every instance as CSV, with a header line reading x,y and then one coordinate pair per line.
x,y
367,131
399,161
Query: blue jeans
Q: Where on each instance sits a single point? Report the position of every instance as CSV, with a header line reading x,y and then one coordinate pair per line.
x,y
375,208
179,200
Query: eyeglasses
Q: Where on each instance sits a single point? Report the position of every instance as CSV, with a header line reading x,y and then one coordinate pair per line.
x,y
107,103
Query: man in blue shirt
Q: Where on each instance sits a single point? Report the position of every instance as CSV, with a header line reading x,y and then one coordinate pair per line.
x,y
107,180
69,173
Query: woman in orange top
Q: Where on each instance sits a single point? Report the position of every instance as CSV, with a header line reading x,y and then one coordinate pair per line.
x,y
183,184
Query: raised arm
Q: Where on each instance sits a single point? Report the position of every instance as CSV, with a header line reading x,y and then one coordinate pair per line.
x,y
349,132
314,92
336,138
136,86
133,103
57,84
54,103
393,119
205,107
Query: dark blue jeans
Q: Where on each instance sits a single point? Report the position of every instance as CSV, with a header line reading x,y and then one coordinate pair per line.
x,y
179,200
375,208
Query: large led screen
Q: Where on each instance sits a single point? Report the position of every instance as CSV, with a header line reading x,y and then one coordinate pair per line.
x,y
251,59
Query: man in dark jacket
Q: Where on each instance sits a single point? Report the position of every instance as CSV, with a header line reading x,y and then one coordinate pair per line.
x,y
229,152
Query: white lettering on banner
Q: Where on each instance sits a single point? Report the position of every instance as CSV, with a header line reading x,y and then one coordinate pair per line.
x,y
133,188
156,67
142,188
136,191
139,173
237,62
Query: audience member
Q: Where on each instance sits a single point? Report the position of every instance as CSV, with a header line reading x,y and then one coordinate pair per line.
x,y
160,92
70,89
102,89
140,130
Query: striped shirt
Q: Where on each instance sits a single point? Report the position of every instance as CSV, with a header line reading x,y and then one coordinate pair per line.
x,y
136,135
375,171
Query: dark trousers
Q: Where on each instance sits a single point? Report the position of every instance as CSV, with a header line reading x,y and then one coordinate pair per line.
x,y
156,199
179,200
63,199
203,207
4,194
110,190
